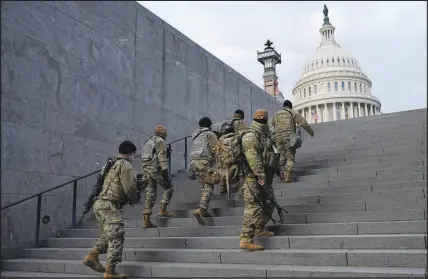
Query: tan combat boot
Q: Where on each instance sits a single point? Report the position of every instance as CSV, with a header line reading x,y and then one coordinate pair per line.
x,y
289,177
111,273
163,212
147,224
250,246
263,233
91,260
199,214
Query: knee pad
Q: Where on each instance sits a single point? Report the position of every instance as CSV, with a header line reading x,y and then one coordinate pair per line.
x,y
116,230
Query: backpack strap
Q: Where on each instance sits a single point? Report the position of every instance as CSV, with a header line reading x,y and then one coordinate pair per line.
x,y
197,135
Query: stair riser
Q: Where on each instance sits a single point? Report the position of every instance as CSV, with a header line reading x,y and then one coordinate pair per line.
x,y
320,258
146,271
335,217
400,227
334,242
405,203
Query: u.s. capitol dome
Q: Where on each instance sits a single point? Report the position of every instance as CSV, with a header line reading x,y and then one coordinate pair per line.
x,y
333,81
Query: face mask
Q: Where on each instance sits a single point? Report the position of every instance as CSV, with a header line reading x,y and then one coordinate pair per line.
x,y
261,121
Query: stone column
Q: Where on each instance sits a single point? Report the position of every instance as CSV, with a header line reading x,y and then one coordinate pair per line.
x,y
310,114
352,110
325,115
319,114
359,109
343,111
334,111
373,110
366,109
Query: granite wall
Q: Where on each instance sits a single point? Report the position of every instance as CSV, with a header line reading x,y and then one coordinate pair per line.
x,y
77,78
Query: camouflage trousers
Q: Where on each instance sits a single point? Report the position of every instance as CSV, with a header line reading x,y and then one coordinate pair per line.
x,y
155,177
207,176
255,218
286,154
109,217
235,176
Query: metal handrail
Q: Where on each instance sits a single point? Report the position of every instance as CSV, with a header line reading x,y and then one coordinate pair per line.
x,y
74,182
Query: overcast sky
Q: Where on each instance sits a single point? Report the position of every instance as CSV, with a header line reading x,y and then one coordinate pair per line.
x,y
389,39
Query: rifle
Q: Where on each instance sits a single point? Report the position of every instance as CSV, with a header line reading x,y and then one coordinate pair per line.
x,y
97,187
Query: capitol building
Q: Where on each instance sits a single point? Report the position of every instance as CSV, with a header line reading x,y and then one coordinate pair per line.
x,y
332,85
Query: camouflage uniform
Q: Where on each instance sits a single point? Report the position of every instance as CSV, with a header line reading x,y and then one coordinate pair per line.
x,y
254,142
154,161
202,157
284,125
119,188
235,171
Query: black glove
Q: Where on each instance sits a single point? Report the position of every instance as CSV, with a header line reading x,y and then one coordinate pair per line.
x,y
165,175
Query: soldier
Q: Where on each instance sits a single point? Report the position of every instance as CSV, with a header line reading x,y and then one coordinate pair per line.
x,y
284,124
202,156
154,164
119,188
234,171
255,143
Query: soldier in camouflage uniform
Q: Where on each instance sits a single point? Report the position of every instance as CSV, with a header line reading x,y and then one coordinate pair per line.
x,y
202,156
155,165
255,142
284,124
234,171
119,188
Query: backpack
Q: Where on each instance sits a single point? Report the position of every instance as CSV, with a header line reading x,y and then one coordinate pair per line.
x,y
229,149
295,138
224,127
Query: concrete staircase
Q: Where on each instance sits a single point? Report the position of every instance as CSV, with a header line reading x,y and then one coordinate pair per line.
x,y
357,208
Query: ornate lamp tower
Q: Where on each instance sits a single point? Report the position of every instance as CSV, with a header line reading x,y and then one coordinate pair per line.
x,y
269,58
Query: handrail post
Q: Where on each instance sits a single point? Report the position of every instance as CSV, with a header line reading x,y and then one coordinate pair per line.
x,y
39,209
73,214
185,153
169,160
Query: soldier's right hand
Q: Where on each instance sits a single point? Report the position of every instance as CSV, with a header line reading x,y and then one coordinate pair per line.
x,y
261,182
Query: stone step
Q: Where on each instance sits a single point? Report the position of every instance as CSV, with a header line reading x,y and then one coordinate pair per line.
x,y
372,205
328,182
296,218
388,227
173,269
328,257
318,170
380,173
382,241
35,274
300,196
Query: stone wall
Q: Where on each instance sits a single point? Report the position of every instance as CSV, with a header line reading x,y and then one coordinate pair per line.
x,y
77,78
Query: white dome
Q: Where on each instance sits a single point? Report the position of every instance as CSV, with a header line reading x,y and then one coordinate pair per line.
x,y
332,85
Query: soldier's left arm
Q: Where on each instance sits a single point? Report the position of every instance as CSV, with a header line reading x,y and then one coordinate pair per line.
x,y
302,122
129,182
212,143
161,151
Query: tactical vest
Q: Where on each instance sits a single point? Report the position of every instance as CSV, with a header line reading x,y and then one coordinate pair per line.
x,y
112,188
284,121
200,148
149,150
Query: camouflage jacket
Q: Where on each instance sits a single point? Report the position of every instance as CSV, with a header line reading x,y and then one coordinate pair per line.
x,y
284,122
254,142
120,184
154,152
